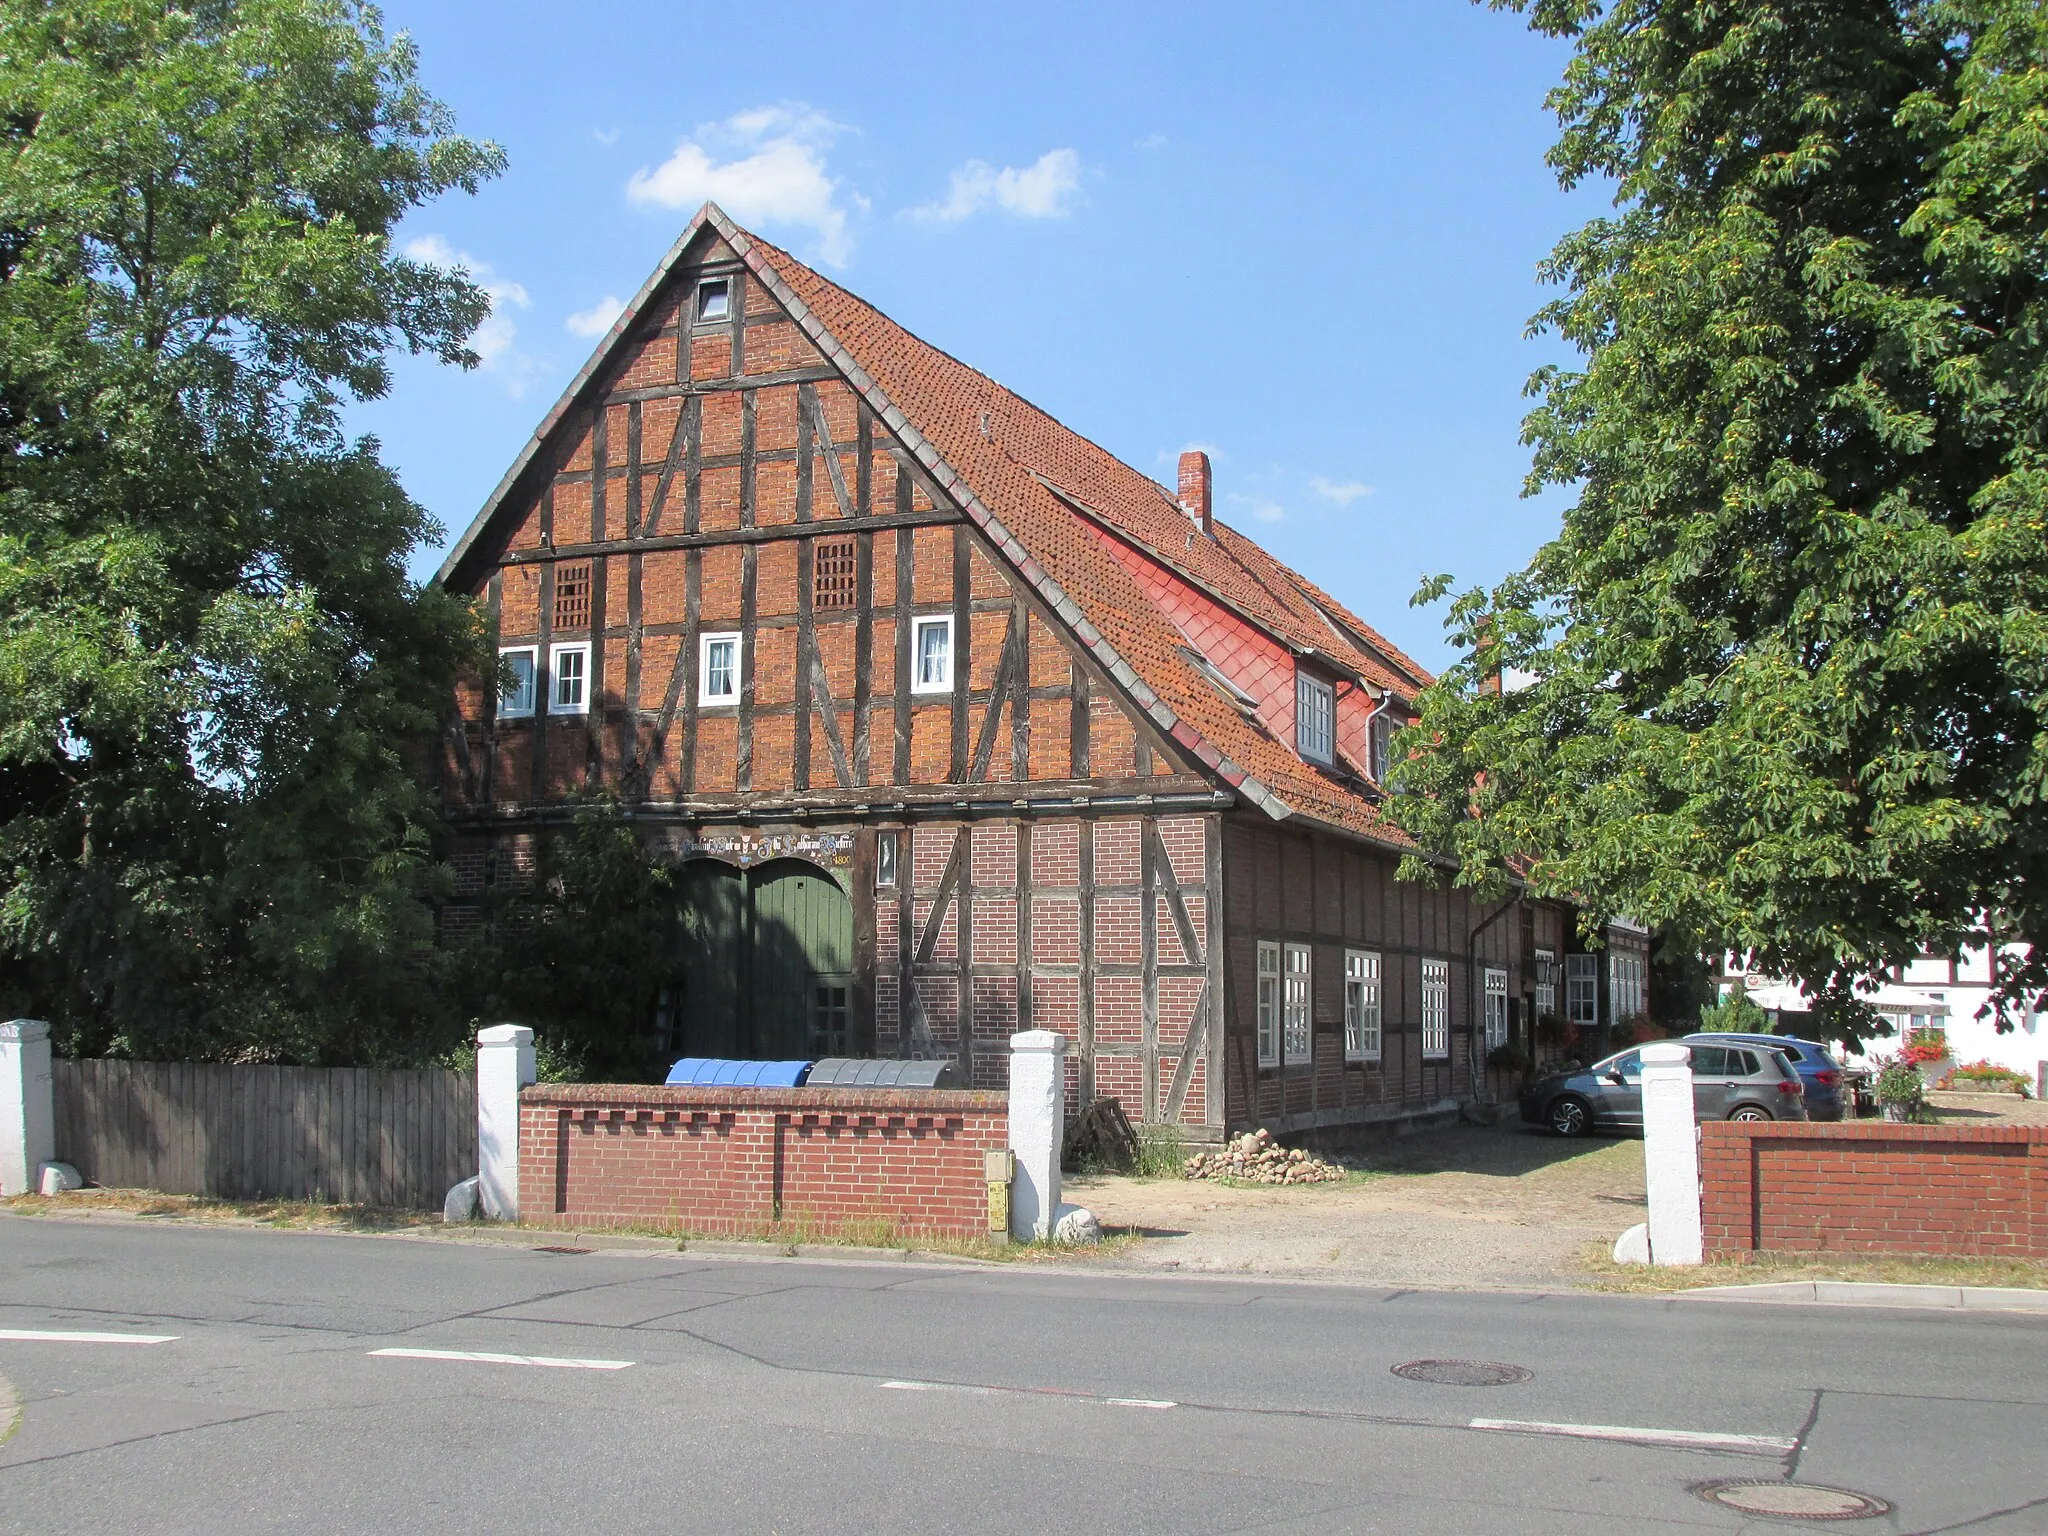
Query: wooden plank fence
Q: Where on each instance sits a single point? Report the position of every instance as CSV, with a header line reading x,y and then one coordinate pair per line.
x,y
349,1134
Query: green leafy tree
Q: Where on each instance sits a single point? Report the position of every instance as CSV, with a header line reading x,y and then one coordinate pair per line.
x,y
1789,659
212,840
1734,1014
579,949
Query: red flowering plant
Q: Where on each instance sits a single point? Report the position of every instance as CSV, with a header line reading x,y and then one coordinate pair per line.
x,y
1924,1045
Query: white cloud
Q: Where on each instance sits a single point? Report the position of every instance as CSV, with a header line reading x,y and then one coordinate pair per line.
x,y
1258,506
1343,492
605,136
494,340
596,320
1045,189
1153,141
772,172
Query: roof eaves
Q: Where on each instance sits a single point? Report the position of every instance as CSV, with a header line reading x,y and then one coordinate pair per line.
x,y
709,213
947,477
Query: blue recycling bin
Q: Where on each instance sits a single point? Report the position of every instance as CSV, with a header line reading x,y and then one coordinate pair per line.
x,y
715,1072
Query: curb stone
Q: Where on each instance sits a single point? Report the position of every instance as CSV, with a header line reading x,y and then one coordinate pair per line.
x,y
1860,1293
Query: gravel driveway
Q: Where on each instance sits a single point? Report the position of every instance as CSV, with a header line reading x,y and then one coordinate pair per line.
x,y
1464,1207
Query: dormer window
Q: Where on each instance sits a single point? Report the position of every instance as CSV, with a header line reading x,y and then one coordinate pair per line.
x,y
714,301
1315,719
1377,734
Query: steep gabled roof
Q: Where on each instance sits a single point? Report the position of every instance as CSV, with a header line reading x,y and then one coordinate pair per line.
x,y
1019,474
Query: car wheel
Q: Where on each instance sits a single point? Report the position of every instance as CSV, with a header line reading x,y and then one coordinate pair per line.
x,y
1570,1116
1751,1113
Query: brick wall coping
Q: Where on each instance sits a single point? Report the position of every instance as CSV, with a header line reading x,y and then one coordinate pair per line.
x,y
1867,1130
867,1101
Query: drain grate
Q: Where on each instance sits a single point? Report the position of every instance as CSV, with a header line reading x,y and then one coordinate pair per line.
x,y
1464,1373
1793,1501
561,1248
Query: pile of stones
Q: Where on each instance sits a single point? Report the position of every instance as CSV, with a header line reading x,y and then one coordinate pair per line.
x,y
1255,1158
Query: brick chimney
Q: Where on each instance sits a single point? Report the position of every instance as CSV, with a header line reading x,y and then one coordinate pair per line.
x,y
1196,484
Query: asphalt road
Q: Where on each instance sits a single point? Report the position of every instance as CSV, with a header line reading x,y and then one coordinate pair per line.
x,y
695,1394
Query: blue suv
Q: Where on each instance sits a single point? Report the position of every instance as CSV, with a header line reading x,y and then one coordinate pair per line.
x,y
1818,1072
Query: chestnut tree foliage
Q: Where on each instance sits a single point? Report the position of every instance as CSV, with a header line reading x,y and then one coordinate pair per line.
x,y
1786,663
211,840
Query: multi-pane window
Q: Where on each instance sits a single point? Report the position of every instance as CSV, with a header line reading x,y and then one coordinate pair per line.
x,y
572,595
569,671
1269,1004
831,1014
885,861
1625,985
931,655
515,680
1546,982
1297,1033
1315,718
714,301
718,669
1496,1009
1361,1005
1377,735
1436,1008
1582,989
832,574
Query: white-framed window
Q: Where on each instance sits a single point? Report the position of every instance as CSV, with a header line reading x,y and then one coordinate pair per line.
x,y
569,679
885,861
518,668
931,655
1378,732
1546,982
718,669
1269,1004
1436,1008
1625,985
1315,718
1361,1005
1582,989
1297,1034
1496,1009
714,301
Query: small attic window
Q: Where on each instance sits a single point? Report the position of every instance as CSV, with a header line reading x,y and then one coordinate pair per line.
x,y
714,301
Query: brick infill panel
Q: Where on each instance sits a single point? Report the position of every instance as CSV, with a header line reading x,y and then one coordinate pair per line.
x,y
807,1162
1875,1187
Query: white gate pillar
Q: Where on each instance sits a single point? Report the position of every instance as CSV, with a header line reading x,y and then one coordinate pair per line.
x,y
504,1065
28,1119
1671,1155
1038,1107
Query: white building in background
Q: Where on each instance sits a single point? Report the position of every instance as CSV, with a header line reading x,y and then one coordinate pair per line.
x,y
1934,992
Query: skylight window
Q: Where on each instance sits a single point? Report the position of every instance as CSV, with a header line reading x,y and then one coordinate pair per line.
x,y
1214,676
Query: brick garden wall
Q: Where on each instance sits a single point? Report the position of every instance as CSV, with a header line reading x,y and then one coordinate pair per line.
x,y
822,1161
1875,1188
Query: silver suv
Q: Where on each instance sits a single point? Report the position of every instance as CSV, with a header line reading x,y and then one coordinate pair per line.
x,y
1741,1081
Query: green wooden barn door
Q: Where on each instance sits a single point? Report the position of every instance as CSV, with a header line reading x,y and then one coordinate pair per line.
x,y
711,991
767,962
802,961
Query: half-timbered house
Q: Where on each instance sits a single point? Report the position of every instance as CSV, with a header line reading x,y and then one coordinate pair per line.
x,y
956,725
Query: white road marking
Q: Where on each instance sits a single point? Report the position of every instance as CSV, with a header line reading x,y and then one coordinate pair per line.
x,y
974,1391
62,1336
480,1358
1683,1439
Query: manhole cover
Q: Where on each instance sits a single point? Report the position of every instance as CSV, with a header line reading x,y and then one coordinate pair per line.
x,y
1794,1501
1463,1373
560,1248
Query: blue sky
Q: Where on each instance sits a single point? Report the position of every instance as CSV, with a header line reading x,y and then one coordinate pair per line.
x,y
1304,237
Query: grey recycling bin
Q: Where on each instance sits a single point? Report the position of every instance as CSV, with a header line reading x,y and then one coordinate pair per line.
x,y
847,1072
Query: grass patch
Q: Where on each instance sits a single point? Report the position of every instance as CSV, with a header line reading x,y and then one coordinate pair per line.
x,y
1771,1268
307,1215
